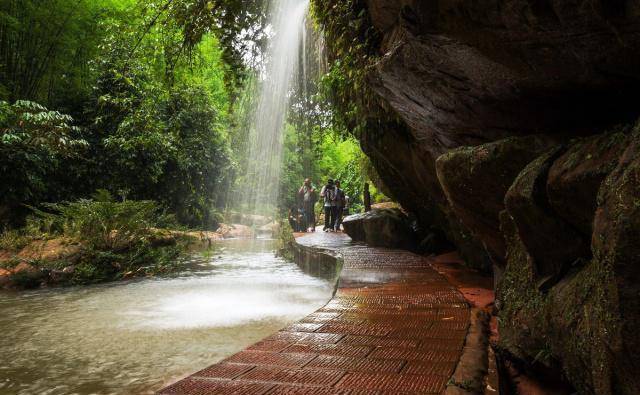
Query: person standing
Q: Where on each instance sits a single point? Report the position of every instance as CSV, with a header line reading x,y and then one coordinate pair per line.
x,y
339,206
328,195
307,195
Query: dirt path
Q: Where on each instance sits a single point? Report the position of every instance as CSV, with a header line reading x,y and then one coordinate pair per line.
x,y
395,326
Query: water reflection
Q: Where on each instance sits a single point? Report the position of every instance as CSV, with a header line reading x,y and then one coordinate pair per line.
x,y
131,338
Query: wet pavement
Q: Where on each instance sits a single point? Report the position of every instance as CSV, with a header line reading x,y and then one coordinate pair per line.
x,y
395,326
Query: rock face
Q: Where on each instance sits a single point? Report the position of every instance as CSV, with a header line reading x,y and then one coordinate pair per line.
x,y
381,228
496,125
457,74
475,181
583,320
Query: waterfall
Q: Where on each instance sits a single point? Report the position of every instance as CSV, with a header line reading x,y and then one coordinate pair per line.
x,y
277,80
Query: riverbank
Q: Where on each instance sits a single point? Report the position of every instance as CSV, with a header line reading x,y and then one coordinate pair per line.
x,y
62,261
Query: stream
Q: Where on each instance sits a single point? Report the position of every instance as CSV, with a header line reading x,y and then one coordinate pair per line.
x,y
135,337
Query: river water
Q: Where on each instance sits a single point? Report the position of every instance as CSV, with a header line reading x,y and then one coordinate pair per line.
x,y
135,337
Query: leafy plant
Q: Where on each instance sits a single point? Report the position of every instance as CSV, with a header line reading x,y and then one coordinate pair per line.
x,y
105,224
34,142
13,240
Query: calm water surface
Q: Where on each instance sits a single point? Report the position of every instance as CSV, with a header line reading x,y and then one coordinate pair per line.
x,y
135,337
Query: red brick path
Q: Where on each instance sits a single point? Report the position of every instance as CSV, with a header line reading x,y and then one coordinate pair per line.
x,y
395,326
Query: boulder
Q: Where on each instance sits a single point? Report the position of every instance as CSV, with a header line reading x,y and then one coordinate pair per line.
x,y
476,179
388,228
235,231
408,169
25,275
553,244
616,248
270,229
575,177
451,74
584,323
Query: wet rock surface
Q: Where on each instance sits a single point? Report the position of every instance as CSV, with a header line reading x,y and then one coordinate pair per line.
x,y
578,315
552,243
476,179
496,124
390,228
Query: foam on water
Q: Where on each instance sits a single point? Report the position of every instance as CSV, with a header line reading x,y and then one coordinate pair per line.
x,y
135,337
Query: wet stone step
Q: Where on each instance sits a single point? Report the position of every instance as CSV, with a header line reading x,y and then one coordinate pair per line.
x,y
356,364
195,386
411,383
271,358
339,349
317,377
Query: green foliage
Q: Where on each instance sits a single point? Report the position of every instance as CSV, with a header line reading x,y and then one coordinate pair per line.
x,y
161,96
292,172
336,156
104,224
239,24
13,240
118,238
285,241
45,44
352,46
151,98
34,143
193,186
343,160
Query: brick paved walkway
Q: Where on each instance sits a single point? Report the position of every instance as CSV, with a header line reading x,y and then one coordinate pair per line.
x,y
395,326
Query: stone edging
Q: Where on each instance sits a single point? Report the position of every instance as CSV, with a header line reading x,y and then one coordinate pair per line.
x,y
469,376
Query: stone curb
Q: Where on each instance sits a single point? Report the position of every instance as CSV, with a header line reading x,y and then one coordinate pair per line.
x,y
472,368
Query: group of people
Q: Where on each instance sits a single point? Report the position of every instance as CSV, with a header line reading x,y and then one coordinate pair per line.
x,y
335,206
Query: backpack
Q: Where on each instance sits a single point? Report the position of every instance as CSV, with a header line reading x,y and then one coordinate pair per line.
x,y
329,194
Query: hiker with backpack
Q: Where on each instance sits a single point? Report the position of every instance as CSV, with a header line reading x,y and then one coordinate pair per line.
x,y
328,195
341,202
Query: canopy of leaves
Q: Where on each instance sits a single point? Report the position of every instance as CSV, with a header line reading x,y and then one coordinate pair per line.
x,y
34,142
146,87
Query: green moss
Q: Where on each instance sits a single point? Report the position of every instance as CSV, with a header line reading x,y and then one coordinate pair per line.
x,y
569,324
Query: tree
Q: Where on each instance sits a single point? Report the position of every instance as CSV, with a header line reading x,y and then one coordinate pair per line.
x,y
34,142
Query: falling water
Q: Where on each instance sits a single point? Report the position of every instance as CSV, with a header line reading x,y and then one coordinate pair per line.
x,y
266,136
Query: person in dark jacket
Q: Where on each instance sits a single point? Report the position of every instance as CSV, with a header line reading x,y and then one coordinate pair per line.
x,y
328,195
308,197
341,202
